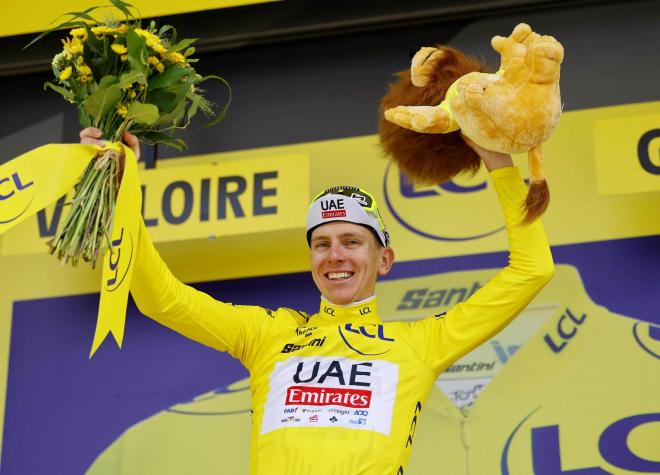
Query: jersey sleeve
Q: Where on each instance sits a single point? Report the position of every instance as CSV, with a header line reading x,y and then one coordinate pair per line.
x,y
158,294
446,337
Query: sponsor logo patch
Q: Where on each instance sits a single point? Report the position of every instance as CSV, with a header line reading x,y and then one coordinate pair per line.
x,y
290,347
331,391
312,396
339,213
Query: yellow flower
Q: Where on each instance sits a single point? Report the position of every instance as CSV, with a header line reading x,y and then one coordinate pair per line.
x,y
131,94
152,40
84,70
119,48
80,60
159,48
100,30
176,58
66,74
160,68
123,28
72,47
122,110
85,73
79,33
153,60
124,57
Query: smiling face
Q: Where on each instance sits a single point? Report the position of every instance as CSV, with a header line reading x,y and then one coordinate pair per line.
x,y
346,260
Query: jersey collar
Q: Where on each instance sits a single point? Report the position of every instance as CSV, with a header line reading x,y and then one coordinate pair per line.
x,y
364,311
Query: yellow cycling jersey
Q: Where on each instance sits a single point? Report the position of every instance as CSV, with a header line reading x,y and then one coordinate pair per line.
x,y
341,391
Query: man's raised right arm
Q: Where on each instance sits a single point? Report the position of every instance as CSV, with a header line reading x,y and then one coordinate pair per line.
x,y
194,314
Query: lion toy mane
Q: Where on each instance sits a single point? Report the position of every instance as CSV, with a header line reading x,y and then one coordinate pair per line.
x,y
447,93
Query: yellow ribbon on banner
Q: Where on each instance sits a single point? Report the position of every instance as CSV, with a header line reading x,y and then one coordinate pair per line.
x,y
119,259
38,178
34,180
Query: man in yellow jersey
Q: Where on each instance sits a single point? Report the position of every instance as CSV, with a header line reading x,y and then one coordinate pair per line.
x,y
340,391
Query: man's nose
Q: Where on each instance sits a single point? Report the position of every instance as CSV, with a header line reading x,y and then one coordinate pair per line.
x,y
336,252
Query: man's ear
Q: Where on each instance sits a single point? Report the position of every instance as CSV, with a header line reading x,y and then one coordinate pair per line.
x,y
386,261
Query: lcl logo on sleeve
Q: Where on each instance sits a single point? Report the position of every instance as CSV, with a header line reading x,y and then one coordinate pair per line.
x,y
458,210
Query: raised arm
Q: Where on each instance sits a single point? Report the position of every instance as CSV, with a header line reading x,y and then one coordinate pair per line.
x,y
446,338
158,294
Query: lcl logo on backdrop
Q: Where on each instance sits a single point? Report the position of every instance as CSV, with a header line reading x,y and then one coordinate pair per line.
x,y
548,450
459,210
646,153
647,337
15,187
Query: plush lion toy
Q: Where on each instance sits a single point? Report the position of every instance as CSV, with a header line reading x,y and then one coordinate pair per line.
x,y
511,111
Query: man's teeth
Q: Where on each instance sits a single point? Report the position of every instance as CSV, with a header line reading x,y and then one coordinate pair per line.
x,y
339,275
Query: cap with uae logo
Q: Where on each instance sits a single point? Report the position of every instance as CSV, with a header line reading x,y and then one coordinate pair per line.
x,y
346,203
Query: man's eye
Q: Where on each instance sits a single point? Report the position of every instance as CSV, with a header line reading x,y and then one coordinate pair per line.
x,y
353,242
320,245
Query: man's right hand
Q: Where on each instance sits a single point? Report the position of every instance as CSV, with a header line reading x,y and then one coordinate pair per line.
x,y
94,136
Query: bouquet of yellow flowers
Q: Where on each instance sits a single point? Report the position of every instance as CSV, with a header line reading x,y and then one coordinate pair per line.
x,y
121,77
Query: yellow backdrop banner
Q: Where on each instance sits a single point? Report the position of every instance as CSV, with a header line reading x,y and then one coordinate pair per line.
x,y
17,20
627,152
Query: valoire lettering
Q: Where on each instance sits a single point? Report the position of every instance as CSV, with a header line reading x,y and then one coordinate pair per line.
x,y
230,198
217,199
200,201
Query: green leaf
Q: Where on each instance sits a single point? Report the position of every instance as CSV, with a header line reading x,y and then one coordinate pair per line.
x,y
142,113
128,78
154,137
84,118
171,76
189,52
64,92
137,51
164,29
124,7
94,44
62,26
183,89
102,63
75,14
175,117
105,97
181,45
165,101
223,112
84,15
